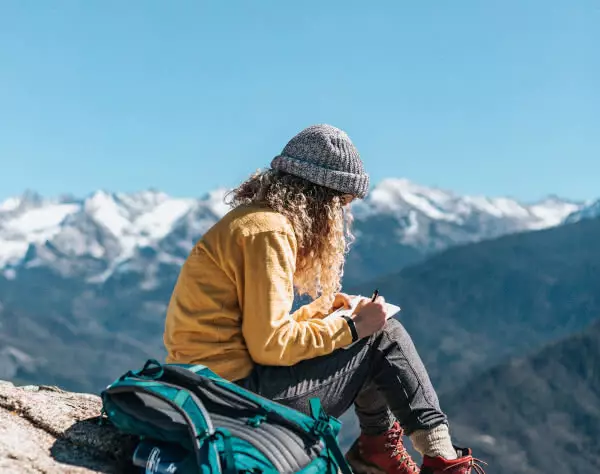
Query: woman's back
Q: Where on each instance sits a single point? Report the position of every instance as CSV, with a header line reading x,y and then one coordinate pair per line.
x,y
204,318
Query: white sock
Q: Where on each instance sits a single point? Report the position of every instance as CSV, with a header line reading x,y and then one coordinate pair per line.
x,y
434,442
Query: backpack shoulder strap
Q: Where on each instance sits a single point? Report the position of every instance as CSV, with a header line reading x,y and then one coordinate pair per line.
x,y
324,429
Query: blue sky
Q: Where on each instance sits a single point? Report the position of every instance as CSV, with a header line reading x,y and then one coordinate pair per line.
x,y
497,98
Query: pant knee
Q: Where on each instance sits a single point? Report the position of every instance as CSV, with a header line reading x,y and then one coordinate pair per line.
x,y
394,334
394,329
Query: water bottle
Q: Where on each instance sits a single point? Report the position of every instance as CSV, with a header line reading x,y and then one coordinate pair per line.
x,y
155,457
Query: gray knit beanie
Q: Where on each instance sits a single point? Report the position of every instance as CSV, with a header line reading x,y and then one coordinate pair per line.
x,y
324,155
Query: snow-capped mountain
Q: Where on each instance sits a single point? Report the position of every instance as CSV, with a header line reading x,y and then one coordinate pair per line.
x,y
101,231
589,211
105,233
432,218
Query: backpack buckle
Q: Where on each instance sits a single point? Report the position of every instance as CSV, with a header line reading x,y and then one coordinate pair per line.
x,y
256,420
321,427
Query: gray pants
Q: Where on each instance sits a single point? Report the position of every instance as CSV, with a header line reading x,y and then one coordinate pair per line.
x,y
383,376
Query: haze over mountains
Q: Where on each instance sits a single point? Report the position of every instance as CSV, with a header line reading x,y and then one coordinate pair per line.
x,y
84,285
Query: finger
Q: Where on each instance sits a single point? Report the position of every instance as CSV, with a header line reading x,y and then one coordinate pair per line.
x,y
361,304
341,301
380,300
345,300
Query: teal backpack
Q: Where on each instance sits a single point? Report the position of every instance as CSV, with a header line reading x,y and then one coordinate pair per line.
x,y
219,426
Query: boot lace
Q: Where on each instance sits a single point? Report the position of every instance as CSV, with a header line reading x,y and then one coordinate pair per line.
x,y
473,463
399,451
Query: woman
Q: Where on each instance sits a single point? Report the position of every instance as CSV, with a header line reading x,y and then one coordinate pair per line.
x,y
231,310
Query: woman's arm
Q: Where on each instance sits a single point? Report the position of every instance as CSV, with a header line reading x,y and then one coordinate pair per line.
x,y
313,310
272,335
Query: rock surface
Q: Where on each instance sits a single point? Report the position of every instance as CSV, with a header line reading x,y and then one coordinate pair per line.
x,y
47,430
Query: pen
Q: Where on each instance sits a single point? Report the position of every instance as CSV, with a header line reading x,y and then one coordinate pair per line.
x,y
375,294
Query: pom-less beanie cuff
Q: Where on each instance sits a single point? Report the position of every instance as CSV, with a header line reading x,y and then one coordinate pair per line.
x,y
343,181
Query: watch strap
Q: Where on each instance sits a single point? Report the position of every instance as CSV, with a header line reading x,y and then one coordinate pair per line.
x,y
352,327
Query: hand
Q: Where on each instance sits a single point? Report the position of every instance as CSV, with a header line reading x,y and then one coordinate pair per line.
x,y
369,316
341,300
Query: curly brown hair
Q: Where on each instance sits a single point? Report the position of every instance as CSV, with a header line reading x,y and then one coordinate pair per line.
x,y
321,220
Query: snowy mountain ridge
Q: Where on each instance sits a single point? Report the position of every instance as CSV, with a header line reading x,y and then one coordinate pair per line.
x,y
589,211
104,232
395,195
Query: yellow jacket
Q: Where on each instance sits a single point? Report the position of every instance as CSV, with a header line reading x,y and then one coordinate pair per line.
x,y
231,304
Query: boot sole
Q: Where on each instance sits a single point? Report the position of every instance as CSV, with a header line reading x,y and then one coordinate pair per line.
x,y
358,465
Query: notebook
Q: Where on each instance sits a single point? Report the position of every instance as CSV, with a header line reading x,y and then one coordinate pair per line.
x,y
390,309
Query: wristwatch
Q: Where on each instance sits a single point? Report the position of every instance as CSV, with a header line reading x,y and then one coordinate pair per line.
x,y
352,326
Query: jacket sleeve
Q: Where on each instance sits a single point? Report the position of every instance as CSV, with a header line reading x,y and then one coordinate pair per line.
x,y
309,311
272,335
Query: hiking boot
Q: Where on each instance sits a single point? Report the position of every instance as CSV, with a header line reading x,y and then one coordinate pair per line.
x,y
381,454
465,464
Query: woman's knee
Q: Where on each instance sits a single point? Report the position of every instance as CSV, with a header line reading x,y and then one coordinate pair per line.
x,y
394,331
394,327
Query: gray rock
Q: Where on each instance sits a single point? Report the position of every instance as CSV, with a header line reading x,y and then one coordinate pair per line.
x,y
47,430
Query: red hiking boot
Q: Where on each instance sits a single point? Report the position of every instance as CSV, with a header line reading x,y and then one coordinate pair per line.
x,y
381,454
465,464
